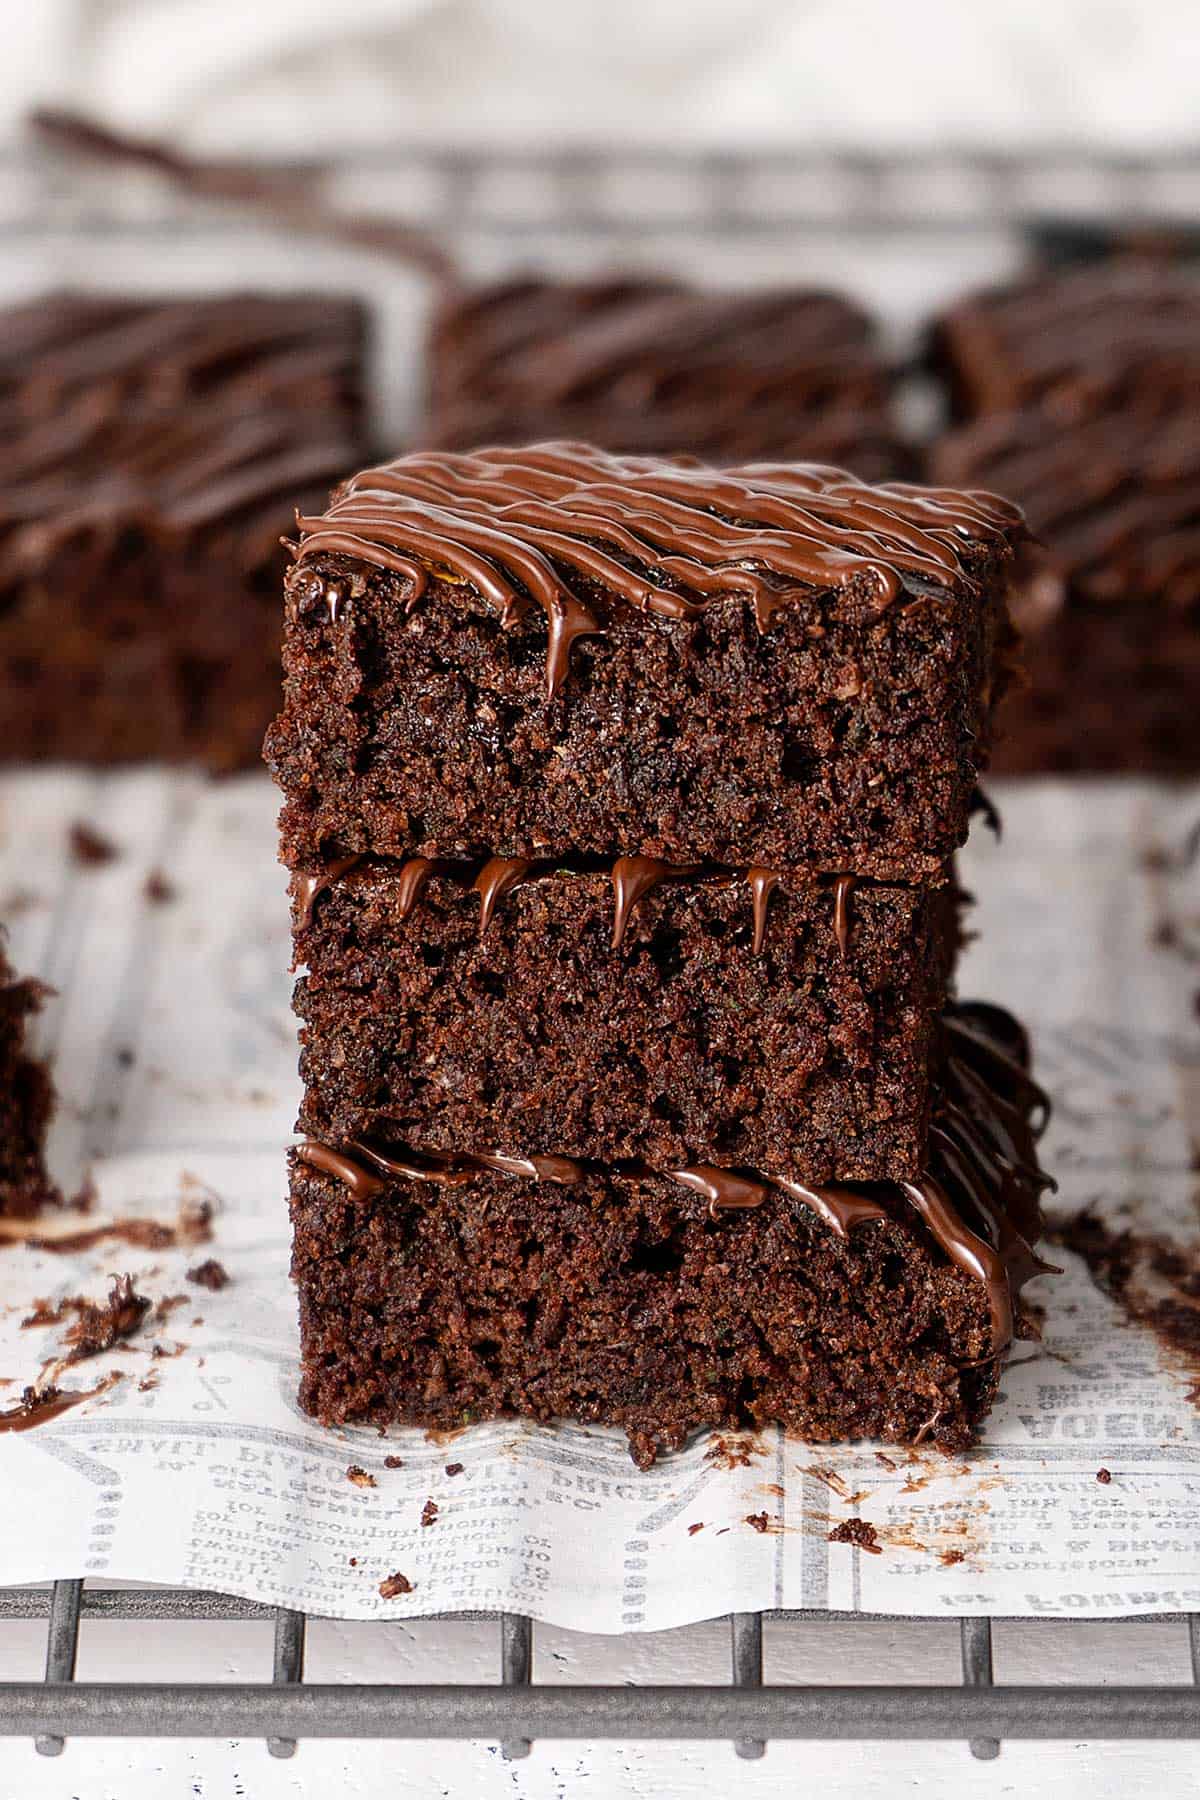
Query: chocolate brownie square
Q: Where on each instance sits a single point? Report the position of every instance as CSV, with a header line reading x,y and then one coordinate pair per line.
x,y
645,367
1109,607
440,1292
552,650
26,1101
1127,329
153,453
632,1010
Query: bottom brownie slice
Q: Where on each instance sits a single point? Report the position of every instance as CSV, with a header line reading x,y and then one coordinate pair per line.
x,y
439,1292
26,1101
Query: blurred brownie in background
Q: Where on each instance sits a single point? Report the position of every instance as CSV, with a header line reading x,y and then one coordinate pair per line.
x,y
26,1100
154,451
1075,339
1109,604
648,366
1083,386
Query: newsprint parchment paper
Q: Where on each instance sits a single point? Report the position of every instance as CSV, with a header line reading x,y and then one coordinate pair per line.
x,y
174,1052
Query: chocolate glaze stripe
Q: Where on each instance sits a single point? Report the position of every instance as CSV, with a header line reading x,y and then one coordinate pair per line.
x,y
675,536
633,877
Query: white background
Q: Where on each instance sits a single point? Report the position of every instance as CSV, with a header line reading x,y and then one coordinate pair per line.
x,y
305,73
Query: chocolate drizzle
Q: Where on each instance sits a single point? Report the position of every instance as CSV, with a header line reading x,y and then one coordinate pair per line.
x,y
633,877
309,887
978,1198
843,887
724,1189
666,537
413,875
762,884
495,878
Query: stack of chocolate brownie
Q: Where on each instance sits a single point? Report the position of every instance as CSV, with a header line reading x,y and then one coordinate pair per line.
x,y
1081,388
645,365
620,796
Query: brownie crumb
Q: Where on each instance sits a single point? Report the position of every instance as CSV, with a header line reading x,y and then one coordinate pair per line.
x,y
98,1328
1155,1283
88,848
359,1476
210,1274
45,1314
758,1520
429,1513
391,1585
454,1468
948,1558
157,889
1104,1476
193,1221
857,1532
393,1462
698,1526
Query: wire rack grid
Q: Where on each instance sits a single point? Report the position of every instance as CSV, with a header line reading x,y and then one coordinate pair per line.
x,y
516,1711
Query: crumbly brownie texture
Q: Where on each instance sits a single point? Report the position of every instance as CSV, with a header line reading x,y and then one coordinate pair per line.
x,y
1069,339
542,651
26,1101
450,1292
1110,607
633,1010
153,454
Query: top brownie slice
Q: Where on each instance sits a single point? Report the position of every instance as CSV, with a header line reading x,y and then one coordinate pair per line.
x,y
549,649
1075,339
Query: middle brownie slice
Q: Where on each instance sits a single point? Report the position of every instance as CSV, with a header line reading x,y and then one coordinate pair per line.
x,y
630,1009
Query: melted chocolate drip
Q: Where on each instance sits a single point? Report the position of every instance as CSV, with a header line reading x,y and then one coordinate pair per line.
x,y
662,536
724,1190
633,877
563,1171
411,882
495,878
966,1251
843,887
309,887
841,1208
762,884
361,1183
431,1167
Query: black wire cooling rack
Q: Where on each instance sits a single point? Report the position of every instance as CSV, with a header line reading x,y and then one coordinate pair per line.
x,y
515,1711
